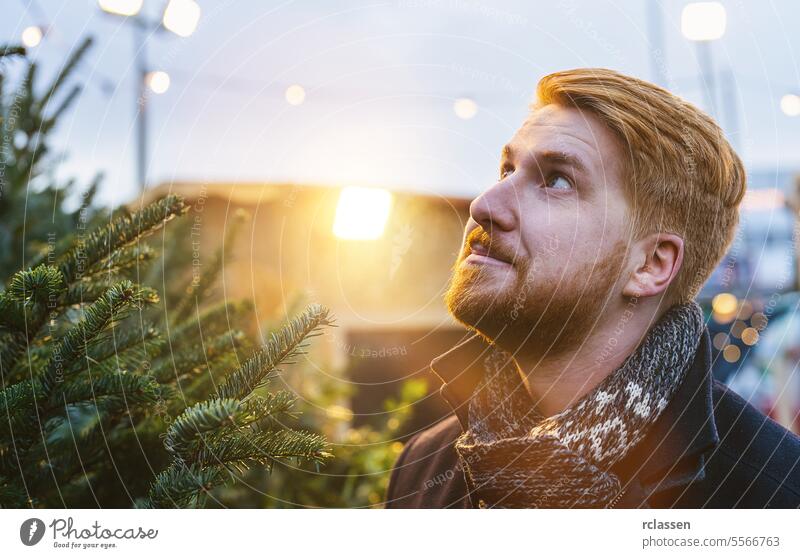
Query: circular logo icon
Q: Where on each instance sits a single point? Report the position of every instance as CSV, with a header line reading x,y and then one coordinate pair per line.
x,y
31,531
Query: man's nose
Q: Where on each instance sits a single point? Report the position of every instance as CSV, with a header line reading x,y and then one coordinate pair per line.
x,y
494,208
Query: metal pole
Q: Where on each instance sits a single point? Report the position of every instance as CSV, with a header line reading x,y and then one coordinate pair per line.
x,y
731,106
658,55
708,83
140,55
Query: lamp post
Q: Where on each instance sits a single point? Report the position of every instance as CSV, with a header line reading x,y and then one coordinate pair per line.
x,y
704,22
658,54
180,17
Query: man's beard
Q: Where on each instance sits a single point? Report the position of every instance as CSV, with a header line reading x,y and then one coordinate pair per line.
x,y
543,315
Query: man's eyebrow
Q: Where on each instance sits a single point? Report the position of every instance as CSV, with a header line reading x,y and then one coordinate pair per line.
x,y
563,157
550,156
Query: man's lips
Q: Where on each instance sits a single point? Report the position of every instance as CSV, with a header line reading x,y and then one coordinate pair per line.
x,y
478,253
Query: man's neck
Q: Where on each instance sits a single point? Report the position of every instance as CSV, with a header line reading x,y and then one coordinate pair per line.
x,y
556,380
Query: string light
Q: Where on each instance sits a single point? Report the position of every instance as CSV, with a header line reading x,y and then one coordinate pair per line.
x,y
724,306
750,336
737,328
295,95
703,21
790,104
32,36
731,353
181,17
759,321
720,340
121,7
158,82
465,108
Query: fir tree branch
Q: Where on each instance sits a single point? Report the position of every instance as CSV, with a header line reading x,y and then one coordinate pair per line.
x,y
224,418
265,411
85,292
23,309
109,308
126,347
202,418
12,495
121,232
252,446
179,485
72,446
11,50
43,285
283,345
122,260
16,406
50,122
66,71
12,345
132,389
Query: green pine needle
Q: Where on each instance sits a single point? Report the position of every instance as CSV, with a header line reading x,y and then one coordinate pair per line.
x,y
132,389
179,485
118,234
251,446
200,419
41,285
111,307
283,345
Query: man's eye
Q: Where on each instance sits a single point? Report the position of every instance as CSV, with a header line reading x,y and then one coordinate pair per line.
x,y
559,182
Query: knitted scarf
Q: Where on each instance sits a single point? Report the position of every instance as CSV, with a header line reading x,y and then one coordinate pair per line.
x,y
517,458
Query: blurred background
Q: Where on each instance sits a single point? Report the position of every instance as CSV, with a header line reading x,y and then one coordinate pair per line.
x,y
350,138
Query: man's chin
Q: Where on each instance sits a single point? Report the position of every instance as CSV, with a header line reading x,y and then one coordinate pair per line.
x,y
481,310
510,317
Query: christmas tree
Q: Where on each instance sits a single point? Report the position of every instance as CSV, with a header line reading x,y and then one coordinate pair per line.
x,y
82,376
29,113
109,396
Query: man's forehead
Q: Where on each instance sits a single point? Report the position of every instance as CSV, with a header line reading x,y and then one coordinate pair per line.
x,y
554,127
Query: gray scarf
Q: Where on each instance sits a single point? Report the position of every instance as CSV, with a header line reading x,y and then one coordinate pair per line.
x,y
517,458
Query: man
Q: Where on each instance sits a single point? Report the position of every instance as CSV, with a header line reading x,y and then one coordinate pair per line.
x,y
586,381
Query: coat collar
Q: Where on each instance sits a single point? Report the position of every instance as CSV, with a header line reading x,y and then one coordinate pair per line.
x,y
673,452
460,369
670,455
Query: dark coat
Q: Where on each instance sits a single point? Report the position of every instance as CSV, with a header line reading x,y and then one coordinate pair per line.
x,y
708,449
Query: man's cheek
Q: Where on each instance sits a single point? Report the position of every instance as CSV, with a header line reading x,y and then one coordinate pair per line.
x,y
549,254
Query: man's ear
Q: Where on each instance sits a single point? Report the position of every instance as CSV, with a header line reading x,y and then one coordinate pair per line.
x,y
659,257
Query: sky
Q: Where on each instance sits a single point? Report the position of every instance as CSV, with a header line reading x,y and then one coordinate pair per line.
x,y
380,81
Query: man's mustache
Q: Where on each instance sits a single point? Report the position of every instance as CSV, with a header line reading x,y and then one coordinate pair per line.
x,y
494,248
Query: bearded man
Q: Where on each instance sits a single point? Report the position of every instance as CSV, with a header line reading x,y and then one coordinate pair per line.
x,y
586,378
